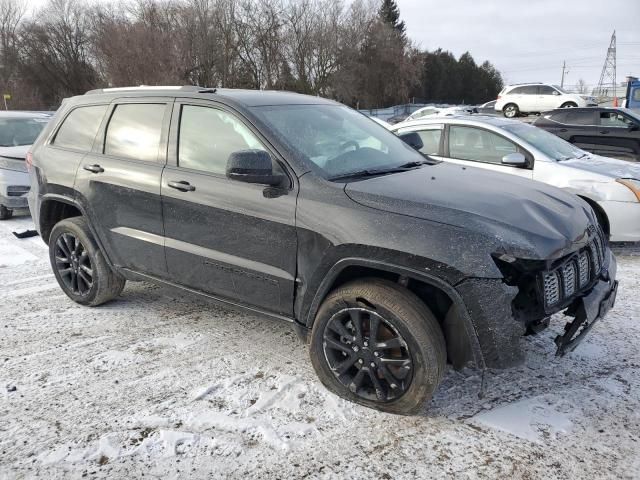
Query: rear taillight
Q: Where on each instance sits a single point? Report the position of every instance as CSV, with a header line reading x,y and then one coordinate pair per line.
x,y
29,161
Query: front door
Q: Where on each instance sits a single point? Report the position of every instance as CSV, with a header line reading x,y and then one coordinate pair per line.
x,y
232,239
119,183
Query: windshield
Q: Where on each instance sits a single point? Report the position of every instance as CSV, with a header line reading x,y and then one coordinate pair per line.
x,y
560,89
631,113
15,132
552,146
337,139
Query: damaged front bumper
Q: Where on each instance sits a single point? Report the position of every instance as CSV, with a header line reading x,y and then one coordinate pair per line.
x,y
588,309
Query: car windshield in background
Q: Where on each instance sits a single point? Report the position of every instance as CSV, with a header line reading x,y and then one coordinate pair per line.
x,y
338,139
546,142
15,132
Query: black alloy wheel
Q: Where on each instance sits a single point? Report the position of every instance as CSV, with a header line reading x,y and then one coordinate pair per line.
x,y
73,264
367,355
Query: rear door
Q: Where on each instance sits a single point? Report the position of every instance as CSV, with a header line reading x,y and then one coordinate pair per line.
x,y
118,182
231,239
474,146
581,127
547,97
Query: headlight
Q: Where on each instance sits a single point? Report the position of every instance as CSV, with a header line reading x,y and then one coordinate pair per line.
x,y
632,184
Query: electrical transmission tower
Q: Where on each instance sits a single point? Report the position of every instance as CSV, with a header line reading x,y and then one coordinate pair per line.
x,y
607,85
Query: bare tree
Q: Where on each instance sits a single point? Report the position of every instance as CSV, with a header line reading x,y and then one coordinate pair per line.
x,y
11,15
581,86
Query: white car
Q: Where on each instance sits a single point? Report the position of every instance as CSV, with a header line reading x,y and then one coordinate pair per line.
x,y
611,187
438,112
18,130
379,121
520,98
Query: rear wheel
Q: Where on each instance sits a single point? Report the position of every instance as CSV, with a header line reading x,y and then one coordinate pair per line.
x,y
5,213
79,266
510,110
375,343
569,105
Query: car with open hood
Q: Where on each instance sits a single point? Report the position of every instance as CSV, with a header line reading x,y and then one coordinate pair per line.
x,y
610,186
388,263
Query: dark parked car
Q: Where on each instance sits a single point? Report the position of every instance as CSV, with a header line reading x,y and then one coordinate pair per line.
x,y
611,132
302,209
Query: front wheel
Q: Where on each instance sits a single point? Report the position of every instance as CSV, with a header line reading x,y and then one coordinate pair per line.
x,y
377,344
79,266
511,110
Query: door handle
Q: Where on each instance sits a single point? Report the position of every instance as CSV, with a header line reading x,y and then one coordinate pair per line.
x,y
563,130
182,185
604,131
93,168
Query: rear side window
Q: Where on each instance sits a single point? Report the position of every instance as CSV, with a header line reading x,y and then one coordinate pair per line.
x,y
134,131
79,129
209,136
580,118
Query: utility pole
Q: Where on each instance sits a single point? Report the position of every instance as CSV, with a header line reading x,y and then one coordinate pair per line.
x,y
564,67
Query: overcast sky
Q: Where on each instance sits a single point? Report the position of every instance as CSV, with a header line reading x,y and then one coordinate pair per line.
x,y
527,40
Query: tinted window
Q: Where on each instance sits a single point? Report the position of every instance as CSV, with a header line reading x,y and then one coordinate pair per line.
x,y
636,95
208,136
560,117
580,118
80,127
516,91
546,90
614,119
530,90
134,131
468,143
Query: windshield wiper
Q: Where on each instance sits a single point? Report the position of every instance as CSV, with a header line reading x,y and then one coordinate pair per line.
x,y
383,171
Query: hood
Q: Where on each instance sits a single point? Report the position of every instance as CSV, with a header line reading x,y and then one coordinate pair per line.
x,y
528,219
606,166
19,152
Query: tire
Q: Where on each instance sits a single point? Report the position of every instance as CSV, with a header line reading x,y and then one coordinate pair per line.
x,y
569,105
418,351
5,213
74,253
511,110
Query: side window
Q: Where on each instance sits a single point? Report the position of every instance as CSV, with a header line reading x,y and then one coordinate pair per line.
x,y
80,127
546,90
580,118
614,119
530,90
208,136
516,91
431,140
469,143
134,131
560,117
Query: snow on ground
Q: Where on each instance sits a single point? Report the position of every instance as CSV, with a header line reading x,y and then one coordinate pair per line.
x,y
165,386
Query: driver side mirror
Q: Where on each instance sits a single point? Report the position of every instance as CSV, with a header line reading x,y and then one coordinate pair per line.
x,y
555,92
252,166
515,159
412,139
634,128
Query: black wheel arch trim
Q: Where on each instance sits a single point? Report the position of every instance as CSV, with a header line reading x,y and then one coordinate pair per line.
x,y
69,201
303,325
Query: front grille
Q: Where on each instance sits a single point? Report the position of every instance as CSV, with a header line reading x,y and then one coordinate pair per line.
x,y
16,190
575,272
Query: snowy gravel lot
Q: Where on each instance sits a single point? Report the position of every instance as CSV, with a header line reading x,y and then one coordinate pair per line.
x,y
160,385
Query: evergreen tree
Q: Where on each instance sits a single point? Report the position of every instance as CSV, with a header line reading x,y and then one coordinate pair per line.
x,y
389,13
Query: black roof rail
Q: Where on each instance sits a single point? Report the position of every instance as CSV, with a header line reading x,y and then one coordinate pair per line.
x,y
183,88
526,83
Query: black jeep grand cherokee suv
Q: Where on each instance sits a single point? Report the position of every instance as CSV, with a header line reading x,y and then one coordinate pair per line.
x,y
389,263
